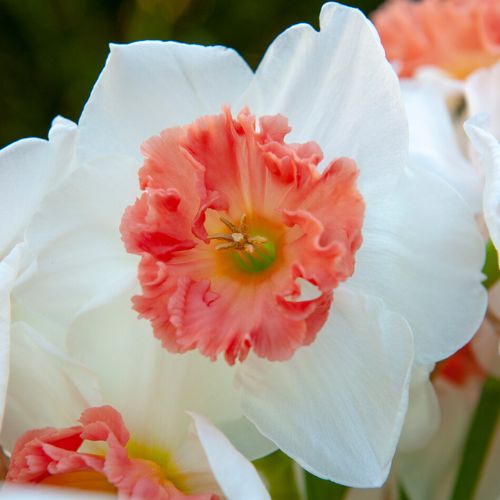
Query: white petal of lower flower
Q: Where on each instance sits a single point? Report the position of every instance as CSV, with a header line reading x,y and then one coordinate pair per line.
x,y
488,149
432,134
45,387
28,169
423,416
336,88
422,254
9,268
448,87
338,405
135,373
75,236
246,438
236,476
148,86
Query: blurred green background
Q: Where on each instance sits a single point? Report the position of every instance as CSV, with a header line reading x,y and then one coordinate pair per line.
x,y
51,51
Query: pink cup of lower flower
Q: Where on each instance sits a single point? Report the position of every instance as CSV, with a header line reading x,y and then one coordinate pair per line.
x,y
53,457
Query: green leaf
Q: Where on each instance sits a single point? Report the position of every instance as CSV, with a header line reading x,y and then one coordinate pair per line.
x,y
320,489
478,440
490,268
279,475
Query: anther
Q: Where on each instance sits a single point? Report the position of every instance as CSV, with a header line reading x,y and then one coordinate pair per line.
x,y
238,239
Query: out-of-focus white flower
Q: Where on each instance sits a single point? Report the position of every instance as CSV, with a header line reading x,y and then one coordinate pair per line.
x,y
436,130
429,471
488,151
337,405
450,70
29,168
153,457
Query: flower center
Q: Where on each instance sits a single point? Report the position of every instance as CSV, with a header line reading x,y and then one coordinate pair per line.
x,y
229,219
249,250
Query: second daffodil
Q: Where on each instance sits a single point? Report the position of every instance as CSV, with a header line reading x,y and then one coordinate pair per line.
x,y
270,224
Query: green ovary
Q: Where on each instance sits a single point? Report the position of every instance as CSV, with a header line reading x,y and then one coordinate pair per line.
x,y
261,259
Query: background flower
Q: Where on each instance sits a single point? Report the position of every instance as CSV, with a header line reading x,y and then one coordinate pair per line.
x,y
51,392
457,36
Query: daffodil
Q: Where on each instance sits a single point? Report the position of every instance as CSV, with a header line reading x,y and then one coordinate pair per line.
x,y
483,129
29,168
297,255
109,451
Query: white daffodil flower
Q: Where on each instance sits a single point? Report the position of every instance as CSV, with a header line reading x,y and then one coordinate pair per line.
x,y
29,168
148,458
483,130
406,293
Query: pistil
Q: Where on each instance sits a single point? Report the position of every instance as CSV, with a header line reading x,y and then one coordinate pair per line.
x,y
254,253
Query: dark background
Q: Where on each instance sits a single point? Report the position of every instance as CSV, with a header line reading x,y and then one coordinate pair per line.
x,y
51,51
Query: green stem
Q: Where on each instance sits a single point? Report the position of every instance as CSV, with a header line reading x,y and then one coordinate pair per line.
x,y
402,493
320,489
278,473
490,268
478,440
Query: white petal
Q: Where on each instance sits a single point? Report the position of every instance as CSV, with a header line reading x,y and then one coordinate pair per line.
x,y
236,476
28,170
482,95
432,134
45,387
149,386
9,268
423,416
337,406
148,86
448,87
337,88
76,238
488,149
246,438
423,255
191,464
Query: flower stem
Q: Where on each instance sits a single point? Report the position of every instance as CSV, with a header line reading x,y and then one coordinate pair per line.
x,y
320,489
478,441
490,268
278,472
402,493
